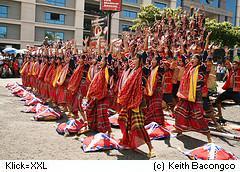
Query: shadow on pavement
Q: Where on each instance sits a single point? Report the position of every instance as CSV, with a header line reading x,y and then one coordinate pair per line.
x,y
129,155
190,142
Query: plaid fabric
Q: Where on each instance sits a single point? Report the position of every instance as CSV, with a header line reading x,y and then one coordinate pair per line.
x,y
97,115
132,127
154,112
189,117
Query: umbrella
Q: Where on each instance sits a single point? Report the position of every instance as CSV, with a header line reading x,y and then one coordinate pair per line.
x,y
22,51
10,50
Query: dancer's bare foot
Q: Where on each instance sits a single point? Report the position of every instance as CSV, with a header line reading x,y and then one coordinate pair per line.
x,y
66,134
151,153
209,138
83,130
178,132
219,128
110,134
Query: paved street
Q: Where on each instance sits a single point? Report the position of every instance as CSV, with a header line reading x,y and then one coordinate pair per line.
x,y
21,138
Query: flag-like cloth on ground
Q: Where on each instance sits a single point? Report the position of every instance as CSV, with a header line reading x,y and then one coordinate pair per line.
x,y
72,126
84,103
27,96
36,108
99,141
47,115
210,151
18,91
11,85
114,120
33,101
156,131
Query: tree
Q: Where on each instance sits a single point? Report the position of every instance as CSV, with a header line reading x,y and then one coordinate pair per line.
x,y
223,33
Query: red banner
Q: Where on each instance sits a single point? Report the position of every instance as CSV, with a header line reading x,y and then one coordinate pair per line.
x,y
111,5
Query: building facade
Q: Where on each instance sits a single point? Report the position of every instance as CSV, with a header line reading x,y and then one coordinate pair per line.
x,y
25,22
221,10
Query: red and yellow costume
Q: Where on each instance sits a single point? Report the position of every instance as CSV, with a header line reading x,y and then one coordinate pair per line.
x,y
131,119
97,95
189,110
154,92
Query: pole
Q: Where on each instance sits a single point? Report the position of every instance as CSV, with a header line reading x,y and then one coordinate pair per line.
x,y
109,27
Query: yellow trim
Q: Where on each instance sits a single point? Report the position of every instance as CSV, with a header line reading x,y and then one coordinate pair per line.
x,y
136,110
106,75
152,81
193,85
88,75
23,68
58,72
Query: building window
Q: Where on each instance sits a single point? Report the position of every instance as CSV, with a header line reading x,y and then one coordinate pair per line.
x,y
226,18
126,27
3,11
61,3
160,5
54,36
212,3
179,3
129,14
54,18
87,24
131,1
3,31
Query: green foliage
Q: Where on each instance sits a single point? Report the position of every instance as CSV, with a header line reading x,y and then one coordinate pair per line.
x,y
148,15
223,33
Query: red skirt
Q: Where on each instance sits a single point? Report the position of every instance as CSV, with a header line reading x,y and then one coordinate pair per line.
x,y
132,128
41,84
24,80
63,96
154,112
77,100
61,99
52,92
189,117
97,115
69,99
45,90
113,101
